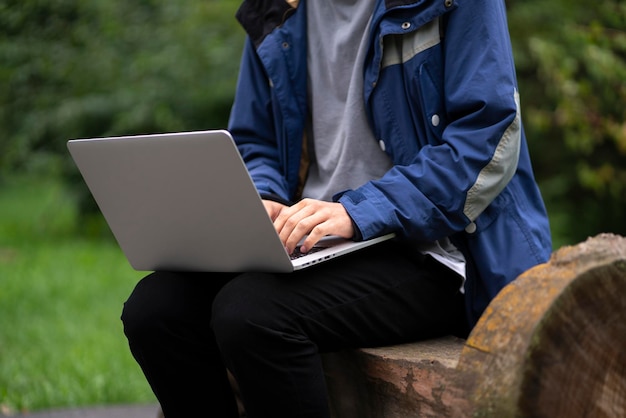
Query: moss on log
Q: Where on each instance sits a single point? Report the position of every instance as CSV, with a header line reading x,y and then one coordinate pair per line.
x,y
552,343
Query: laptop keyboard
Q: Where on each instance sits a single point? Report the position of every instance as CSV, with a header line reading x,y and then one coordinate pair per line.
x,y
297,253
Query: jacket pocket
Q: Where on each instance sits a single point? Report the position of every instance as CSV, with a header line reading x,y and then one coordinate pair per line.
x,y
432,103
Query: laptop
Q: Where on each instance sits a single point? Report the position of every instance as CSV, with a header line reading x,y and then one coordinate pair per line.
x,y
185,202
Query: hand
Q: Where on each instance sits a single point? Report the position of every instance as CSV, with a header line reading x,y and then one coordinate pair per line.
x,y
311,217
273,208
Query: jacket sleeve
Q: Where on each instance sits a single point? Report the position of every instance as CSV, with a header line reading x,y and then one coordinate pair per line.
x,y
252,125
449,182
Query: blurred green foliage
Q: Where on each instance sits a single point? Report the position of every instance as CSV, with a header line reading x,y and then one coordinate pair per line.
x,y
73,69
571,61
107,67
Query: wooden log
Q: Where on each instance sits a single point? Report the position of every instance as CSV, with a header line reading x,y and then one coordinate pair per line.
x,y
402,381
552,343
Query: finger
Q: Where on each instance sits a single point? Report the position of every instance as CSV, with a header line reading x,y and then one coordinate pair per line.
x,y
290,217
273,208
307,216
305,226
317,233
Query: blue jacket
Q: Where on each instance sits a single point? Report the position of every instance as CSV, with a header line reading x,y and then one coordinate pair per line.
x,y
441,94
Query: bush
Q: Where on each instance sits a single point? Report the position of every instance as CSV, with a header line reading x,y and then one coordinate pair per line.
x,y
110,67
571,65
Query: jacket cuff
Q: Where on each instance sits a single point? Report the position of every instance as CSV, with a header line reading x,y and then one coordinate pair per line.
x,y
358,236
276,198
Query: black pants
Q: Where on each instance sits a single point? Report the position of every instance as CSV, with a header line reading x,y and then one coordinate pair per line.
x,y
185,329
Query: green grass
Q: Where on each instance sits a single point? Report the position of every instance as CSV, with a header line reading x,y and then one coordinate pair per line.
x,y
61,295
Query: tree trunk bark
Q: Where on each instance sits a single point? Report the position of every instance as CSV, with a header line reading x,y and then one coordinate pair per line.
x,y
552,343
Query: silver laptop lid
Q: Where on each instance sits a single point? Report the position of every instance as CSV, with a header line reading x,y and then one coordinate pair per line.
x,y
181,201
